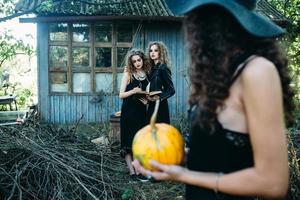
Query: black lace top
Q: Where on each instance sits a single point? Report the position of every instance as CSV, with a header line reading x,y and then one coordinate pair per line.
x,y
221,151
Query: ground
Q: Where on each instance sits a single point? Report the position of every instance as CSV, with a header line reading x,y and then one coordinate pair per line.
x,y
43,161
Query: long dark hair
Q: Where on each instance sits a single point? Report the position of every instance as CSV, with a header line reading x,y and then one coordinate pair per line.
x,y
130,67
214,40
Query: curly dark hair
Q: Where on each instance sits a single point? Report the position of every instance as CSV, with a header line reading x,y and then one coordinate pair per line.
x,y
214,41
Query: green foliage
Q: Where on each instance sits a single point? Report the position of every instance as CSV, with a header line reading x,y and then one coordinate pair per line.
x,y
291,9
23,97
293,137
45,6
10,47
7,7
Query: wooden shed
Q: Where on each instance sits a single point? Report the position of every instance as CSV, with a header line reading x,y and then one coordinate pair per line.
x,y
81,48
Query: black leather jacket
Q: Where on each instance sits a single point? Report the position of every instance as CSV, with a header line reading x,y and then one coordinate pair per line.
x,y
161,80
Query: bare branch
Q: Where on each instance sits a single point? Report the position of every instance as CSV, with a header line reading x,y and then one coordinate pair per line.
x,y
15,15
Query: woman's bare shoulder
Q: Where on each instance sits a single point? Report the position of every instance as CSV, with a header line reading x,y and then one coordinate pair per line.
x,y
126,75
259,70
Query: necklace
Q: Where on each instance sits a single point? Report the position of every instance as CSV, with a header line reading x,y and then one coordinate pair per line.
x,y
140,75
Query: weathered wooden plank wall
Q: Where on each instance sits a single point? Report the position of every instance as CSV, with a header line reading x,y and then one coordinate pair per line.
x,y
67,109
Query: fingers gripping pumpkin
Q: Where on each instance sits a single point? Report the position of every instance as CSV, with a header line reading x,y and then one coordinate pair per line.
x,y
161,142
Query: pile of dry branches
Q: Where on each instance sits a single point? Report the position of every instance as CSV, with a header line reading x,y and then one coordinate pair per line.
x,y
47,162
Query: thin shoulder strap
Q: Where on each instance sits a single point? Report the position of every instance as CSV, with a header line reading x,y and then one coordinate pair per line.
x,y
241,67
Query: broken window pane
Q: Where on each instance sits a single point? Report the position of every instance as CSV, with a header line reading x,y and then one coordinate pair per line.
x,y
103,57
124,33
58,32
58,82
81,32
103,32
81,57
81,82
104,82
58,56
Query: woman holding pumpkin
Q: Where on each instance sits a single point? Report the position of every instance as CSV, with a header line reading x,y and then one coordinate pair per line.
x,y
133,111
160,80
240,97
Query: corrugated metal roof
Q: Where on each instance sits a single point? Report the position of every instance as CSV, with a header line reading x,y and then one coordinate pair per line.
x,y
266,9
121,8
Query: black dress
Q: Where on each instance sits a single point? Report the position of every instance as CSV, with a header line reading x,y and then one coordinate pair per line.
x,y
221,151
133,116
161,80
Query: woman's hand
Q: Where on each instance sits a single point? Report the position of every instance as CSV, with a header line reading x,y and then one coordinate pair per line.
x,y
144,101
152,98
136,90
165,172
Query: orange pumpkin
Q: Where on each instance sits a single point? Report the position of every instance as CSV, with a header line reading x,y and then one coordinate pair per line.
x,y
161,142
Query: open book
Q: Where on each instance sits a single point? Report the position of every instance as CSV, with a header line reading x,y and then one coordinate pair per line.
x,y
145,93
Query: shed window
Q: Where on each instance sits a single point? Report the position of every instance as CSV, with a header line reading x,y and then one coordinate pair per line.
x,y
58,56
81,57
81,82
58,32
103,32
88,57
103,57
121,52
80,32
124,33
59,82
104,78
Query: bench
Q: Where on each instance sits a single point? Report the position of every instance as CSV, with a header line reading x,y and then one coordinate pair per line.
x,y
9,99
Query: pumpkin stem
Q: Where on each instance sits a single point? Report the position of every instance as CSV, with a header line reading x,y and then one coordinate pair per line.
x,y
154,115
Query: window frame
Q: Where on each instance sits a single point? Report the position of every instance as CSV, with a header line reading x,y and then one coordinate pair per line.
x,y
92,45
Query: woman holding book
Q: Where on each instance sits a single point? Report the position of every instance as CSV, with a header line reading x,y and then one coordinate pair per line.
x,y
133,111
241,99
160,80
